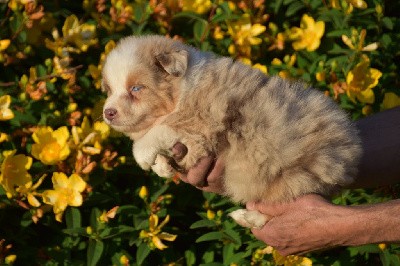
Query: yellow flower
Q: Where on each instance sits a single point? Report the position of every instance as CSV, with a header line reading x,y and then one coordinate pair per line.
x,y
89,138
28,190
320,76
358,3
51,146
244,34
366,110
4,137
4,44
218,34
390,100
14,171
290,260
196,6
210,214
5,112
261,67
67,192
356,41
360,81
82,35
10,259
348,5
124,260
309,35
155,235
143,192
106,215
95,71
276,62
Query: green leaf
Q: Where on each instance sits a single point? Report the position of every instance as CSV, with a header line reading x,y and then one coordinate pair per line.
x,y
114,231
26,219
22,36
227,253
202,223
233,235
41,70
385,40
218,18
94,215
75,231
200,29
208,257
73,218
294,7
337,33
388,23
142,252
159,192
210,236
190,257
277,6
187,14
94,252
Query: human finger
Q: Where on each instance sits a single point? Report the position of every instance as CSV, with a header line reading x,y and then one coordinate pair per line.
x,y
179,151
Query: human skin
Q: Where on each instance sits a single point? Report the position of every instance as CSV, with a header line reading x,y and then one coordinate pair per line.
x,y
324,225
312,223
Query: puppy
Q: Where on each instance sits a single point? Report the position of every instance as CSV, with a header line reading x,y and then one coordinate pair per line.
x,y
279,139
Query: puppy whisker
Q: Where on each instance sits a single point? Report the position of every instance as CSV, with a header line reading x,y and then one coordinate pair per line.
x,y
100,118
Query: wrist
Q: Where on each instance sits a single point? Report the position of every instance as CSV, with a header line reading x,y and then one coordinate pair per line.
x,y
359,225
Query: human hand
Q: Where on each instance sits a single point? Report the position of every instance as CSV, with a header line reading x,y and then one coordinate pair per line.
x,y
305,224
205,175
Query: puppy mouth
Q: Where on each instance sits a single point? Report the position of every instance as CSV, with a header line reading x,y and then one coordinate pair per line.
x,y
120,125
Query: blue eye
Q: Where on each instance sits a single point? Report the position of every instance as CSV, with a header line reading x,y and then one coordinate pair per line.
x,y
136,88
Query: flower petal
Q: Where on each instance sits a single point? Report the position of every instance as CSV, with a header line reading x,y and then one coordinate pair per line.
x,y
61,135
75,199
50,197
167,236
5,101
75,182
60,180
157,242
33,201
390,100
366,96
6,114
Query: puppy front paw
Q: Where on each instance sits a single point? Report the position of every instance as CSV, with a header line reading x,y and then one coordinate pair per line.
x,y
145,157
250,219
162,167
158,140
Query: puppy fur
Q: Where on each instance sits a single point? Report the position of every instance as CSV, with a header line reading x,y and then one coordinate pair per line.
x,y
279,139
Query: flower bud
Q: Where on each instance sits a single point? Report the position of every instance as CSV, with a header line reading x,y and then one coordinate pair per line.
x,y
89,230
143,192
210,214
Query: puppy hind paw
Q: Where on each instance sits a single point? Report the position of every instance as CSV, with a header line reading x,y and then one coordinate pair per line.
x,y
250,219
162,167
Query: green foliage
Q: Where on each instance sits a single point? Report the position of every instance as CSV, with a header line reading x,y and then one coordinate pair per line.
x,y
51,56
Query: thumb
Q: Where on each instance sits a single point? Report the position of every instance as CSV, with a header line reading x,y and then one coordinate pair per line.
x,y
272,209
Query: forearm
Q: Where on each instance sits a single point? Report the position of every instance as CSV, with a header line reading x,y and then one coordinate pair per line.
x,y
358,225
380,163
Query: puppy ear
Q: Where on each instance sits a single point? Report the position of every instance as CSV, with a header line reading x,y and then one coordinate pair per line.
x,y
174,63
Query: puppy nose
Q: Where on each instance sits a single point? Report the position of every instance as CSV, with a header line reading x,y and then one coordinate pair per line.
x,y
110,113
